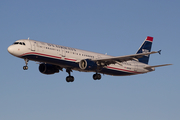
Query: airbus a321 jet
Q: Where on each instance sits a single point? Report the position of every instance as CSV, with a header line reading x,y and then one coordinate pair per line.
x,y
54,58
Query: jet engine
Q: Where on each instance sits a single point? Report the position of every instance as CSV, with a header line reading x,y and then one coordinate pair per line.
x,y
87,65
48,69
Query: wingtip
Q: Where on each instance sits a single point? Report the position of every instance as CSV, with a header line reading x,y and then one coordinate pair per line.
x,y
159,52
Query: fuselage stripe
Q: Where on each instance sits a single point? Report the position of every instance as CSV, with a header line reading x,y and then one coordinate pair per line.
x,y
46,56
40,54
69,59
123,70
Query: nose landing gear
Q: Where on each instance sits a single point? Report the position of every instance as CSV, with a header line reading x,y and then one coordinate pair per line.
x,y
26,62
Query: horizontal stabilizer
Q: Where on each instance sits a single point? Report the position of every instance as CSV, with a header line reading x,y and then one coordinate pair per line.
x,y
157,66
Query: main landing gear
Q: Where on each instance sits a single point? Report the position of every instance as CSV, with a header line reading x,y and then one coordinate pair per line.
x,y
26,62
69,78
97,76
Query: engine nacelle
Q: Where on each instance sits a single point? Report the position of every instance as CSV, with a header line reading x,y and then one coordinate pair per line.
x,y
48,69
87,65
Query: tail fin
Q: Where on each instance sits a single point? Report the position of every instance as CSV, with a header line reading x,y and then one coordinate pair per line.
x,y
145,47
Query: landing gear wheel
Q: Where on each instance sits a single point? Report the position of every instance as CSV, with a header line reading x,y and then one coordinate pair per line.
x,y
94,77
25,67
97,76
70,79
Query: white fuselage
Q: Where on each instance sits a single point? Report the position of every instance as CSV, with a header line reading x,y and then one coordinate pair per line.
x,y
67,57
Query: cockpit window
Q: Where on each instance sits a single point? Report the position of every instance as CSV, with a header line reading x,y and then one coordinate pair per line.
x,y
20,43
16,43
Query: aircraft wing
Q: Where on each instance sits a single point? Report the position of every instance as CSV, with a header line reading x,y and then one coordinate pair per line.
x,y
113,60
157,66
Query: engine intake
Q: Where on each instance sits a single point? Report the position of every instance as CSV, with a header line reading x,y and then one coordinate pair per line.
x,y
48,69
87,65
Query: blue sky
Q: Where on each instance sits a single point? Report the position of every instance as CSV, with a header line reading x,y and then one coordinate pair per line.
x,y
115,27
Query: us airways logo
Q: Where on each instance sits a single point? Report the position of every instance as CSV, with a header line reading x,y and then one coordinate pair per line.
x,y
145,51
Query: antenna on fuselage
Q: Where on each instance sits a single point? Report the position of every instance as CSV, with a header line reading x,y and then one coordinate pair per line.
x,y
28,38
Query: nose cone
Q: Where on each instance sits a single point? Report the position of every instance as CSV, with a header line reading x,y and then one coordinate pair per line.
x,y
10,50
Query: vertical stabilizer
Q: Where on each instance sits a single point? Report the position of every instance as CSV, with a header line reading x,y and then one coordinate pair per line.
x,y
145,47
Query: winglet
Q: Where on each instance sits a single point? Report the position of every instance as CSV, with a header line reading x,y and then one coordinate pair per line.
x,y
159,52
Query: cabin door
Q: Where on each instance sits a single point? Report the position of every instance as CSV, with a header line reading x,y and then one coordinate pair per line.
x,y
63,52
33,45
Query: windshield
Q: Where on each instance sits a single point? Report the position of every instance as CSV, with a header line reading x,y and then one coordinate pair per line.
x,y
20,43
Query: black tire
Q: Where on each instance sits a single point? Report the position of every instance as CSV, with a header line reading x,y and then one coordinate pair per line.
x,y
69,79
97,76
72,79
25,67
94,77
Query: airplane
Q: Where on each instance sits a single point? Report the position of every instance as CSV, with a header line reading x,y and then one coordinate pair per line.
x,y
53,58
